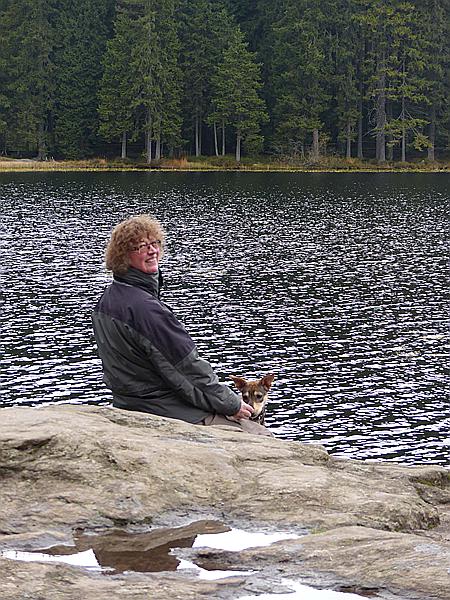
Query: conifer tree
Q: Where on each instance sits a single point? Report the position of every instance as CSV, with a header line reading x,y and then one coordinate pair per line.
x,y
256,20
115,94
196,49
27,98
205,31
301,76
407,82
433,17
156,74
236,99
395,61
342,56
6,74
373,17
83,28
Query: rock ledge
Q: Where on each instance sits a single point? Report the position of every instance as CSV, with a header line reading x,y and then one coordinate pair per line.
x,y
67,472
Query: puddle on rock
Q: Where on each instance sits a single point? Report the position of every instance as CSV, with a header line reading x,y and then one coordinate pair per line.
x,y
304,592
118,551
80,559
236,540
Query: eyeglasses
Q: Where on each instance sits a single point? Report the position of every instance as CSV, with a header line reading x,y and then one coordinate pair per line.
x,y
145,247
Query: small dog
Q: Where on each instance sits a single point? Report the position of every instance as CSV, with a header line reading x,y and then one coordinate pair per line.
x,y
255,393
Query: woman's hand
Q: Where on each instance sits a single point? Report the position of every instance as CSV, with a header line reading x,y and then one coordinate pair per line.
x,y
245,412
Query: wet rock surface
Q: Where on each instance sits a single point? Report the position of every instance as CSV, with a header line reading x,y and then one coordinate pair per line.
x,y
70,473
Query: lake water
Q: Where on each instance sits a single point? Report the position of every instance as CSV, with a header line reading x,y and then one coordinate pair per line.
x,y
337,283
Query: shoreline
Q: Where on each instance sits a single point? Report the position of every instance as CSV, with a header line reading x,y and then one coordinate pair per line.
x,y
101,165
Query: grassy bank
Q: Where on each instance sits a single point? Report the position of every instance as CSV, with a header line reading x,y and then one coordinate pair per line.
x,y
225,163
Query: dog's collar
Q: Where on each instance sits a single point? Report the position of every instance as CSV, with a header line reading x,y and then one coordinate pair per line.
x,y
258,417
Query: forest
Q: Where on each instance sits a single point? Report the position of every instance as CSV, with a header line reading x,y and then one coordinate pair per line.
x,y
293,79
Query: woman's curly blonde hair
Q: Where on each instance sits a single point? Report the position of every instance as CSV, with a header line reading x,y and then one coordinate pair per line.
x,y
126,236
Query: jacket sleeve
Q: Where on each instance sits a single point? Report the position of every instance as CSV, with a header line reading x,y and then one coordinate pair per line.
x,y
175,358
195,382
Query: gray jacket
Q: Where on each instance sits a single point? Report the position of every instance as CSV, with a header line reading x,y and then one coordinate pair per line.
x,y
150,363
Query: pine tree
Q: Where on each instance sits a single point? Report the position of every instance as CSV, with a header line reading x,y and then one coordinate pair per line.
x,y
302,77
28,96
407,81
156,75
373,17
342,51
395,63
115,94
196,48
83,28
236,100
204,32
433,17
6,73
256,21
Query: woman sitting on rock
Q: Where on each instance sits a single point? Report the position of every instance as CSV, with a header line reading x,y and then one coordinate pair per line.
x,y
150,363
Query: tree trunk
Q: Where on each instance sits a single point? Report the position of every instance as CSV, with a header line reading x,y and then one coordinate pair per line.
x,y
360,152
216,146
360,137
198,150
389,137
315,154
432,133
380,151
148,145
123,153
157,136
148,138
223,138
238,146
348,153
403,130
42,146
403,115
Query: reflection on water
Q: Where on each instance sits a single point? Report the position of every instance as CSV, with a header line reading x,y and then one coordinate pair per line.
x,y
338,283
118,551
156,551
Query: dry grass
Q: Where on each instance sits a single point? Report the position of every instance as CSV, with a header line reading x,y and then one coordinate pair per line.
x,y
7,164
222,163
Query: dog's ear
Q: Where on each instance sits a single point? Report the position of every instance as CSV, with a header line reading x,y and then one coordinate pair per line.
x,y
240,382
267,380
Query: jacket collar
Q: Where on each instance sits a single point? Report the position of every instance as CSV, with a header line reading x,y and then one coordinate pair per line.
x,y
149,282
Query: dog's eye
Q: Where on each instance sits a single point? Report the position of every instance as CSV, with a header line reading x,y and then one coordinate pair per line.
x,y
245,395
258,396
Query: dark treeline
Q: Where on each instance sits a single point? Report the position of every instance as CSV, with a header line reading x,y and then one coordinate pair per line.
x,y
292,78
